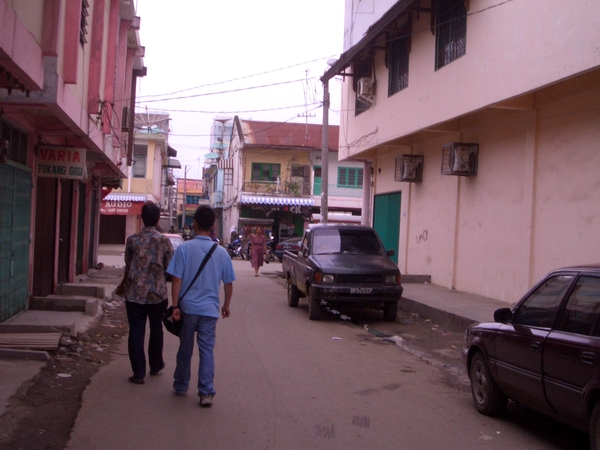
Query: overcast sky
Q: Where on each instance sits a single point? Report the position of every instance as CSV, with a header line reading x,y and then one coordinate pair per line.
x,y
236,57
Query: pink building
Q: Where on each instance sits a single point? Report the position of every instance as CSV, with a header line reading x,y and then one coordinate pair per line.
x,y
480,121
68,71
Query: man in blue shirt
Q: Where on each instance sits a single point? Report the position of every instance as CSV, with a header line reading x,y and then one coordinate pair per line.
x,y
199,308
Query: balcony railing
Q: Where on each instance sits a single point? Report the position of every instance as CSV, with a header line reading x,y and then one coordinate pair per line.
x,y
339,191
299,189
272,188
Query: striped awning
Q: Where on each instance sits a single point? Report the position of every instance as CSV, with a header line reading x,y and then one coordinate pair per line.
x,y
124,197
278,201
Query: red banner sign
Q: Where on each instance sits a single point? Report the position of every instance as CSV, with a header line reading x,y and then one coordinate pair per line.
x,y
121,208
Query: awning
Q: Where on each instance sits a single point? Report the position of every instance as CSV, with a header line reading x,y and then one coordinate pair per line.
x,y
125,197
122,204
278,201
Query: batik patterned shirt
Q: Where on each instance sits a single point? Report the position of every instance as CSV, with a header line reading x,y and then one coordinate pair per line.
x,y
147,255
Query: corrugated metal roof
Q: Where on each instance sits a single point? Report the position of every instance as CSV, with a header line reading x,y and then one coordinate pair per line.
x,y
289,135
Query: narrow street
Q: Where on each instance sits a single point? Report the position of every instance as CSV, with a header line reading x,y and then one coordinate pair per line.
x,y
284,382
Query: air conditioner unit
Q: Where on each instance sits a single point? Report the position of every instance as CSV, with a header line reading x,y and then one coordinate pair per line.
x,y
460,158
409,168
365,89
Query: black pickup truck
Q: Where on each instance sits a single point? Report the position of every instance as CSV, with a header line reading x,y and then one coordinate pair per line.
x,y
342,264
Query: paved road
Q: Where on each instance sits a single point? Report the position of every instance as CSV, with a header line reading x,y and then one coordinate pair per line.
x,y
284,382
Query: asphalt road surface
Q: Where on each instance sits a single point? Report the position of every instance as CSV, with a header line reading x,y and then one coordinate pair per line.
x,y
284,382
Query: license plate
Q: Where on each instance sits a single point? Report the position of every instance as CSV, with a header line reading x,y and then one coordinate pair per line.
x,y
361,290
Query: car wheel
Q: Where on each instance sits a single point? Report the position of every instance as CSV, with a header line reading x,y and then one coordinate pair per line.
x,y
293,294
487,396
390,311
595,428
314,306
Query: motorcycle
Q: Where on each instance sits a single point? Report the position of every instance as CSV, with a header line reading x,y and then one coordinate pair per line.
x,y
235,248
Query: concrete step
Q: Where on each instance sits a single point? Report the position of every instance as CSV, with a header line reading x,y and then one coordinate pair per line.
x,y
81,290
88,305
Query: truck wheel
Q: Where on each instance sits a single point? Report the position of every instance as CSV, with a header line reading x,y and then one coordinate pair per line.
x,y
293,294
314,306
487,396
390,311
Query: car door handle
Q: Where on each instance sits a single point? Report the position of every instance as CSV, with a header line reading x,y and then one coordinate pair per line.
x,y
535,345
587,357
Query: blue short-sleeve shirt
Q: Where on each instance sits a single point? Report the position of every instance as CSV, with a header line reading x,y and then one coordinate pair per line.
x,y
203,297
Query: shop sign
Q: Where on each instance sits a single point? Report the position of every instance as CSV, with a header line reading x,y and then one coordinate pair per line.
x,y
121,208
61,162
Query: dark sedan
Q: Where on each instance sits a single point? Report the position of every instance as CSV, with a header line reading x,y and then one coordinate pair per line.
x,y
545,353
291,245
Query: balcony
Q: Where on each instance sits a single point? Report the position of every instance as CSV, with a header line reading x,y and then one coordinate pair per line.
x,y
272,188
216,199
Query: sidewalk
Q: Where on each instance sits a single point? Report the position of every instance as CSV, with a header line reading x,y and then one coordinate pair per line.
x,y
452,310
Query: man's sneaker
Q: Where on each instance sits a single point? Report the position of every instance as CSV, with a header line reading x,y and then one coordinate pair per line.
x,y
206,401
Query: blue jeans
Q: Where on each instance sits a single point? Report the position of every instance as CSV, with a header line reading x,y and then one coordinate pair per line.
x,y
205,328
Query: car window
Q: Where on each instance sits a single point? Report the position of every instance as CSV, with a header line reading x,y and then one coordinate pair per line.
x,y
540,308
350,240
583,308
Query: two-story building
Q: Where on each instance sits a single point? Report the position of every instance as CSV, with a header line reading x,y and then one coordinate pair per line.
x,y
481,121
68,73
272,177
149,178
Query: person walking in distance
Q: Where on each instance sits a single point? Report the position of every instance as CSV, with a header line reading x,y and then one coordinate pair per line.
x,y
147,255
199,305
258,249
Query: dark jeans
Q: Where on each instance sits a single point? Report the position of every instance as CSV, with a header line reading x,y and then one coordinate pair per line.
x,y
136,314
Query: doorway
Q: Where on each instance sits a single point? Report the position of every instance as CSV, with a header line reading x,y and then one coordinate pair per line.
x,y
386,220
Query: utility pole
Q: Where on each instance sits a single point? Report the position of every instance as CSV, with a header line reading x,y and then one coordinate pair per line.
x,y
325,154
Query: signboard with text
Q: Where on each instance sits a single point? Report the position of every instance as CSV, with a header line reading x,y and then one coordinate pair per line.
x,y
61,162
121,208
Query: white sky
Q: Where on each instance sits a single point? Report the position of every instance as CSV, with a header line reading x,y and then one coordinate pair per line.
x,y
195,48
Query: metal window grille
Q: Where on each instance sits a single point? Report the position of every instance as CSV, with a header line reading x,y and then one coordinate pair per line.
x,y
398,64
451,31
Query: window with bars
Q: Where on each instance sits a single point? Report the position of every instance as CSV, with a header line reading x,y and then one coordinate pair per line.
x,y
265,171
450,31
397,48
140,154
350,177
84,23
17,142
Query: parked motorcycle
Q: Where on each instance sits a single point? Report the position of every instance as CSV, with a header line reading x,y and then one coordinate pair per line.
x,y
235,248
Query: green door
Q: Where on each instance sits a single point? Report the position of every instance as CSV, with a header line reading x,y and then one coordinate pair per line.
x,y
386,221
15,210
317,182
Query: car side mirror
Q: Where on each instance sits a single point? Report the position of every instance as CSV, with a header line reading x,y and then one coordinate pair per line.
x,y
503,315
391,253
304,252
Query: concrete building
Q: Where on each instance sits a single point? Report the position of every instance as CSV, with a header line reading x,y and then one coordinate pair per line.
x,y
272,177
149,178
68,72
481,121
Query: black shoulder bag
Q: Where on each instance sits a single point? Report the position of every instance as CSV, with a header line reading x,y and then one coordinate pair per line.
x,y
174,326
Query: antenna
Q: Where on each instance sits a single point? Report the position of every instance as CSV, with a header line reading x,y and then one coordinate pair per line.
x,y
306,114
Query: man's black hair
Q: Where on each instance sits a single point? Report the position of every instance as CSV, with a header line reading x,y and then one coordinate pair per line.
x,y
150,214
204,217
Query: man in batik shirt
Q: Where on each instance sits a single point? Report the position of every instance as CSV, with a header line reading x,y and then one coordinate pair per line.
x,y
147,255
